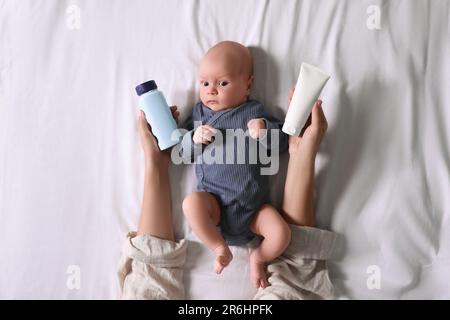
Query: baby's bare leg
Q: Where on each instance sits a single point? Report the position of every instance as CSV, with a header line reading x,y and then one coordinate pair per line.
x,y
203,214
277,235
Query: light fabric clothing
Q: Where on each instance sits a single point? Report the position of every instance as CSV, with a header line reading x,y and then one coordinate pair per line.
x,y
152,268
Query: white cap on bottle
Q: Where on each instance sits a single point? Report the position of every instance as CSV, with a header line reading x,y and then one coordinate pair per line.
x,y
290,130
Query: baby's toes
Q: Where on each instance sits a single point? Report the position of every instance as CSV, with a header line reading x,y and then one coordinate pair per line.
x,y
254,280
223,258
264,283
258,274
218,266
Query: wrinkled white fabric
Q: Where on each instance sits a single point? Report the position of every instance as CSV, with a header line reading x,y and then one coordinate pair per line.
x,y
71,167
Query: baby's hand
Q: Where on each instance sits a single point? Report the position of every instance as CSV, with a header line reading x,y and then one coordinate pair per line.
x,y
255,126
204,134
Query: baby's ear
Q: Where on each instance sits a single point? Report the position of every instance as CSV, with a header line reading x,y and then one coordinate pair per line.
x,y
249,84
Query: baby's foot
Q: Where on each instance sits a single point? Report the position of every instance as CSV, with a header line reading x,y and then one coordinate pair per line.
x,y
258,274
223,257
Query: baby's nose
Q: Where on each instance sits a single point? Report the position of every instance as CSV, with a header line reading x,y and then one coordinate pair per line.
x,y
212,90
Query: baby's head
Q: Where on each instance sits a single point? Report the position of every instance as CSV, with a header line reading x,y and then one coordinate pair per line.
x,y
226,76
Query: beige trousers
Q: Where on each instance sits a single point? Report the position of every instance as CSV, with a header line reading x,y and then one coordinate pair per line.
x,y
152,268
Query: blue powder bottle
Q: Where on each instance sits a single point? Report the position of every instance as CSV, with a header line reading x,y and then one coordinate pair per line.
x,y
158,114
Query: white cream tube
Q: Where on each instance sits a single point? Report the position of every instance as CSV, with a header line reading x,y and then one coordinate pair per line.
x,y
310,83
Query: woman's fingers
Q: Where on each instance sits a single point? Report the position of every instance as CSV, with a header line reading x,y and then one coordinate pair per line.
x,y
323,119
307,124
145,128
315,129
315,120
318,117
143,125
291,93
175,113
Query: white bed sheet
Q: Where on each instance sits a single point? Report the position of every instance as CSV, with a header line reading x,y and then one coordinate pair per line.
x,y
71,168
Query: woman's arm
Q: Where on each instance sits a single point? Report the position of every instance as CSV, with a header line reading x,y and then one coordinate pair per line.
x,y
299,191
298,195
156,212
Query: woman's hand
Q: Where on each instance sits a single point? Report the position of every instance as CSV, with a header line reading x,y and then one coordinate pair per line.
x,y
153,156
312,134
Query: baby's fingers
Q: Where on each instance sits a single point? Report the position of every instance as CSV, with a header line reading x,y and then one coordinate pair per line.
x,y
204,134
251,123
207,134
209,128
257,124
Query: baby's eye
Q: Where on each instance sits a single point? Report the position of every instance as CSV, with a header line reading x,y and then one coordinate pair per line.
x,y
223,83
204,83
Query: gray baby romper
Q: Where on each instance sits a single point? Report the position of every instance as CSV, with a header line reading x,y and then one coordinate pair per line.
x,y
239,187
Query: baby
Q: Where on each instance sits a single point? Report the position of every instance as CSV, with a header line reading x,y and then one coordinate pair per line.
x,y
233,196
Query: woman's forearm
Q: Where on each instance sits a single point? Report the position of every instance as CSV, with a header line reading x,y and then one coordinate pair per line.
x,y
298,207
156,212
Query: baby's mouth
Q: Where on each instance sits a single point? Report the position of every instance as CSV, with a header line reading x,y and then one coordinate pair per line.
x,y
212,101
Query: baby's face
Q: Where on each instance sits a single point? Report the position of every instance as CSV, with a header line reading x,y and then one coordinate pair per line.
x,y
223,84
